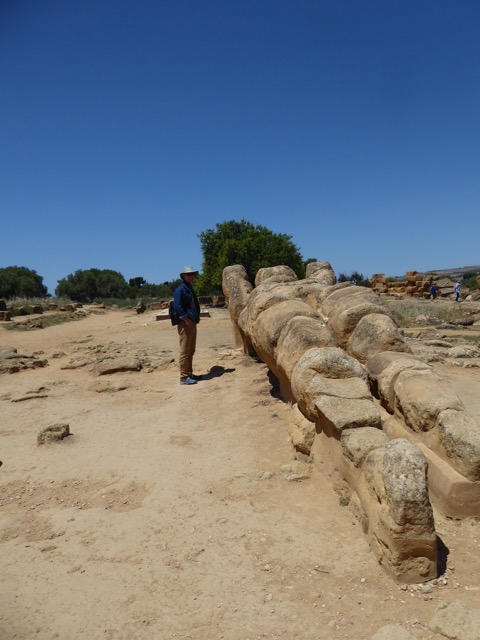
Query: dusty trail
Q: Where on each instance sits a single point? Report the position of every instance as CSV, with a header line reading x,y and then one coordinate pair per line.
x,y
166,514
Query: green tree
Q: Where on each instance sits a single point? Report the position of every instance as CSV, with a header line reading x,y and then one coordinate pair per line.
x,y
92,284
148,290
21,282
355,278
252,246
137,282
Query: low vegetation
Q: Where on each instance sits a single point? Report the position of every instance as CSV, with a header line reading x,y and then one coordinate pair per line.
x,y
406,311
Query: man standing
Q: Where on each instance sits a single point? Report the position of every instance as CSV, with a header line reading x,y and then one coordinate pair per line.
x,y
457,291
187,308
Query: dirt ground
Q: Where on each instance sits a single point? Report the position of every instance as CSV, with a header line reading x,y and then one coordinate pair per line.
x,y
166,513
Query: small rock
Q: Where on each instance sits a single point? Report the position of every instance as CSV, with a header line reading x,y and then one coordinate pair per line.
x,y
54,433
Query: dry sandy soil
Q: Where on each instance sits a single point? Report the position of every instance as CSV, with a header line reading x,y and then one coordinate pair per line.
x,y
166,513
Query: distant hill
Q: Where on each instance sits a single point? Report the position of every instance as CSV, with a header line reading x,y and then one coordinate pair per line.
x,y
456,272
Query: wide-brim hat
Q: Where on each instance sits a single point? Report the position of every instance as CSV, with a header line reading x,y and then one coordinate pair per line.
x,y
188,269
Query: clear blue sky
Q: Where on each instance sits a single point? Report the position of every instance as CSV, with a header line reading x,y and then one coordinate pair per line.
x,y
130,126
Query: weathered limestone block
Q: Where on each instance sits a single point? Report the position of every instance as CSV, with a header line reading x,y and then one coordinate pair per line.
x,y
383,370
308,291
373,334
452,492
460,438
356,413
300,334
322,272
280,273
301,431
372,470
402,538
456,620
330,387
345,307
406,532
358,443
267,328
420,396
259,300
114,365
405,479
237,288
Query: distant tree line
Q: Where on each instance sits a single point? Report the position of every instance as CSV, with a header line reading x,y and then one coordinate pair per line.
x,y
99,284
82,286
355,278
230,242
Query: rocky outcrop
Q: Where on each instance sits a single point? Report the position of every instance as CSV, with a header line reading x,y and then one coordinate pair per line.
x,y
12,362
383,426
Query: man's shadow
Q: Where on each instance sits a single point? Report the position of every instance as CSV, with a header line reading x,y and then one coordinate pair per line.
x,y
216,372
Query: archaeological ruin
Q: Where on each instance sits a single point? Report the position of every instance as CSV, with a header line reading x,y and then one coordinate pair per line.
x,y
390,433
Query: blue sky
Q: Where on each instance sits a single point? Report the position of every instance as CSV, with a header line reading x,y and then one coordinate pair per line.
x,y
128,127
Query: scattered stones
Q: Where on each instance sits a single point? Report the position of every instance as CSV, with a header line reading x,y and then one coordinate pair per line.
x,y
12,362
113,357
54,433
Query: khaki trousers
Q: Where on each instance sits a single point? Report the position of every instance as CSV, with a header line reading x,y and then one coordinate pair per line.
x,y
188,340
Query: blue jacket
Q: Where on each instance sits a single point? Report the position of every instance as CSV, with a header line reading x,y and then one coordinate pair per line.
x,y
185,302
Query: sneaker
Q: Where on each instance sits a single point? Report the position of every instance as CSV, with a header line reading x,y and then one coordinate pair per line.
x,y
188,381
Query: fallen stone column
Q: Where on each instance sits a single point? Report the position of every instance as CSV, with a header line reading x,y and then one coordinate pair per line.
x,y
300,330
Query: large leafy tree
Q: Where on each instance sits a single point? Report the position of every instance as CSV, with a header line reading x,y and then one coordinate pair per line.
x,y
21,282
252,246
92,284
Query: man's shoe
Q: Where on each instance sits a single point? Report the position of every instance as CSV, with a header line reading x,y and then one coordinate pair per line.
x,y
188,381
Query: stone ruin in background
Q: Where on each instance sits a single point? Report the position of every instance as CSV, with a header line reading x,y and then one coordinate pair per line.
x,y
415,285
381,424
